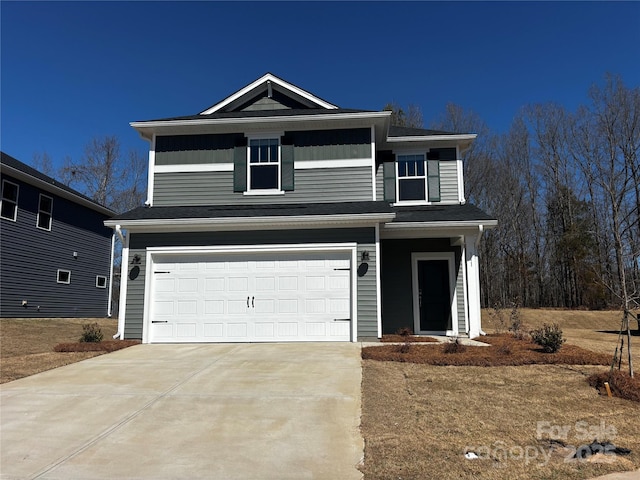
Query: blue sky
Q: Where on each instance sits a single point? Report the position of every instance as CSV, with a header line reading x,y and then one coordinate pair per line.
x,y
72,71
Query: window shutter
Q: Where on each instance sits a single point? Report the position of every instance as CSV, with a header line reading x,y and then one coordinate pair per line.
x,y
389,171
240,167
287,167
433,180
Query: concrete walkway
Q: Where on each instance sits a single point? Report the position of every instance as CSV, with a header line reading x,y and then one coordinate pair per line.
x,y
245,411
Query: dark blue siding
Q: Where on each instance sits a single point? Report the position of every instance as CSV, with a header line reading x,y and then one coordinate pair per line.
x,y
31,257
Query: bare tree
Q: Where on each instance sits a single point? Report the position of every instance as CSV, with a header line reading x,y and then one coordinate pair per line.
x,y
412,117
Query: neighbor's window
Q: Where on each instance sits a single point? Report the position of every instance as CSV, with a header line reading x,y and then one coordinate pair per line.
x,y
412,180
264,164
101,281
64,276
45,210
9,203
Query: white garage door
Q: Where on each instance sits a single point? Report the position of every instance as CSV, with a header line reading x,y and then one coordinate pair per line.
x,y
251,298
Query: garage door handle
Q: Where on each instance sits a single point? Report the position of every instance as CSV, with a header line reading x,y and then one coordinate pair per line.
x,y
159,321
341,319
253,302
342,269
247,302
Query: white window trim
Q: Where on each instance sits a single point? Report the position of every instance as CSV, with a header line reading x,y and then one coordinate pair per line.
x,y
15,210
450,257
42,211
264,191
68,282
426,201
98,277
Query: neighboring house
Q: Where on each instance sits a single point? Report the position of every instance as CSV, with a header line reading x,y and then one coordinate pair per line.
x,y
55,250
275,215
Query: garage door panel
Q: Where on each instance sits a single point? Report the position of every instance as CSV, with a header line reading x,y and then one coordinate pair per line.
x,y
251,297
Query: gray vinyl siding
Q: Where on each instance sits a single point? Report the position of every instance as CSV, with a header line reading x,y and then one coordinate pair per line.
x,y
134,312
331,144
349,184
195,149
31,258
448,182
367,298
364,237
396,278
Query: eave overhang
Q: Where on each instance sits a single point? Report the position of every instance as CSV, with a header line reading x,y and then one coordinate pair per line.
x,y
60,192
442,229
381,120
251,223
462,140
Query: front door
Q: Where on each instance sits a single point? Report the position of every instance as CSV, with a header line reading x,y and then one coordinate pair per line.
x,y
433,290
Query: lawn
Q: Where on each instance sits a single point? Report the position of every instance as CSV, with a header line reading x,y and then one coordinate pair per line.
x,y
419,420
26,344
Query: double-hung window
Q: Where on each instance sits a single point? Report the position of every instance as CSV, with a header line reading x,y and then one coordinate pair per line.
x,y
264,164
418,179
9,204
45,212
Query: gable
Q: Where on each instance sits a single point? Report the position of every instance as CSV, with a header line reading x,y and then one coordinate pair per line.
x,y
269,93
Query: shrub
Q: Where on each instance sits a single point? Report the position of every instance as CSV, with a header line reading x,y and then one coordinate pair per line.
x,y
516,321
549,337
504,349
455,346
500,324
404,332
91,333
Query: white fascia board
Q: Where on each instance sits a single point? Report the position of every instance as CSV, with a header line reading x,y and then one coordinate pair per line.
x,y
445,224
272,78
244,121
434,138
60,192
252,223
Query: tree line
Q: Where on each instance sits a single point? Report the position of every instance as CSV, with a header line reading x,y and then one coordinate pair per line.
x,y
565,188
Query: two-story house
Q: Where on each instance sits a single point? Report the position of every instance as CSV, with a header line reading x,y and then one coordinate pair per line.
x,y
275,215
56,253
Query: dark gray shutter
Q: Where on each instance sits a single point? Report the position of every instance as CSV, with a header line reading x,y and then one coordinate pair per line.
x,y
389,171
287,167
433,180
240,168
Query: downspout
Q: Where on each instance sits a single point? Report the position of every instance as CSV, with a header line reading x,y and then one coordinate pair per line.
x,y
123,261
110,304
477,244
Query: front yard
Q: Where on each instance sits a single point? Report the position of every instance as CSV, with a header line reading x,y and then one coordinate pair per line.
x,y
419,420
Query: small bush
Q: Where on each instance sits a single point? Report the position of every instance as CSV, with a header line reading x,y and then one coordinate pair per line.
x,y
91,333
456,346
500,323
516,321
404,347
505,349
549,337
404,332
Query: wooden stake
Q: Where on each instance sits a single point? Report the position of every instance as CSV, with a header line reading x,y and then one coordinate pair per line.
x,y
606,386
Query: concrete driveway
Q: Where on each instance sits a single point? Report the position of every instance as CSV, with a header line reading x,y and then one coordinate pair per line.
x,y
225,411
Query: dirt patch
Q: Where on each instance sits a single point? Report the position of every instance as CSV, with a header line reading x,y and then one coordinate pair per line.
x,y
26,344
406,338
504,350
104,346
419,420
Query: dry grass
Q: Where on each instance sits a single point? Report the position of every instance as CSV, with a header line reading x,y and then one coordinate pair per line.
x,y
26,344
504,350
418,420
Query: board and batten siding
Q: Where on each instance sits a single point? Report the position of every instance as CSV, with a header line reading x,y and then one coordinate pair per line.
x,y
329,184
364,237
349,184
31,258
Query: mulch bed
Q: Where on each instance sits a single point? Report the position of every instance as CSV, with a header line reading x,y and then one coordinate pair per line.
x,y
406,338
620,383
106,346
504,350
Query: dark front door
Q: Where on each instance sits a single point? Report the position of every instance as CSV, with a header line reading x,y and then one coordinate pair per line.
x,y
434,295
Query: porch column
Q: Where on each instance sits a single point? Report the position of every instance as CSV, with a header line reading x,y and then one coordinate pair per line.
x,y
473,284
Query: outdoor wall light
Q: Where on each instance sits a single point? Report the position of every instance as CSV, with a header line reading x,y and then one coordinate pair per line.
x,y
75,254
136,260
365,256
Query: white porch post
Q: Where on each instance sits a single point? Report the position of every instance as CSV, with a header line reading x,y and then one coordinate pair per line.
x,y
473,284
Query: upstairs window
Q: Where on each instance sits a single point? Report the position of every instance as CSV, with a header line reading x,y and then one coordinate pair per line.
x,y
9,203
412,184
264,164
45,212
